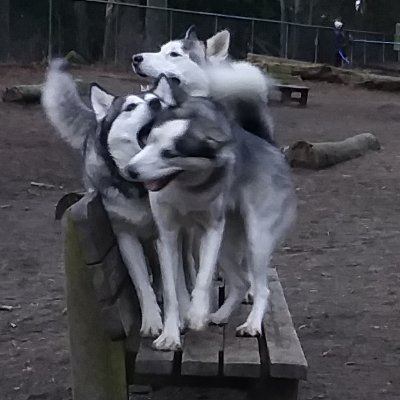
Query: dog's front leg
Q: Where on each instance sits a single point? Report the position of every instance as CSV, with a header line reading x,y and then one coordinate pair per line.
x,y
168,251
133,256
210,244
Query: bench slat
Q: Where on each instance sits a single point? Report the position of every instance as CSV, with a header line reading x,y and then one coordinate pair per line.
x,y
201,352
286,357
241,354
94,230
150,361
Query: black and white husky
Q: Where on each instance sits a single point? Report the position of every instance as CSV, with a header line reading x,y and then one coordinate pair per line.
x,y
203,69
205,173
106,135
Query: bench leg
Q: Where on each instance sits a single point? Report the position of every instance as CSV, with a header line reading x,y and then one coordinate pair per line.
x,y
98,364
303,99
285,96
274,389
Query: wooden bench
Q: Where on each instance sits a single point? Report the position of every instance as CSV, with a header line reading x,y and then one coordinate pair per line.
x,y
287,91
107,354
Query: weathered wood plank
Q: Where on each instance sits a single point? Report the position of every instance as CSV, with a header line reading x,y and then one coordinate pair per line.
x,y
202,350
108,276
123,315
97,363
241,354
150,361
286,357
93,227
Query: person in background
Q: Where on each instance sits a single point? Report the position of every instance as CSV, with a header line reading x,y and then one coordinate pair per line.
x,y
341,43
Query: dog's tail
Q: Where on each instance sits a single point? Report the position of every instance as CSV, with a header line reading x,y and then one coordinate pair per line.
x,y
246,89
63,106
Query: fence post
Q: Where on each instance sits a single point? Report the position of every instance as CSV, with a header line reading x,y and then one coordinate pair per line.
x,y
383,48
316,43
252,36
216,24
286,40
50,49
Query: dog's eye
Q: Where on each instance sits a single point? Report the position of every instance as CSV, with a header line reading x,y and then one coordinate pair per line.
x,y
130,107
174,54
168,154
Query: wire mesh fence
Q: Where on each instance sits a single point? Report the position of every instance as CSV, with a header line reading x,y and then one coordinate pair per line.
x,y
111,31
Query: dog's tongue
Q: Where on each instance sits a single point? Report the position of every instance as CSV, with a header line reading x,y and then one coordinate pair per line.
x,y
154,186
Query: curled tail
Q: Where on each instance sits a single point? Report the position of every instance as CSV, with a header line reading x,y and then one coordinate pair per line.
x,y
63,106
244,88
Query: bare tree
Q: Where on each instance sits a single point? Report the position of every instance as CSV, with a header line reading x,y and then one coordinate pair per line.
x,y
82,28
4,29
108,44
156,24
283,27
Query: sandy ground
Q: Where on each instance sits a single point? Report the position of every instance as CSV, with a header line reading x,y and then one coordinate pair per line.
x,y
340,268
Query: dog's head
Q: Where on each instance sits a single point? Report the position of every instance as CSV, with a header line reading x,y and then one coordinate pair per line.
x,y
189,138
120,120
184,59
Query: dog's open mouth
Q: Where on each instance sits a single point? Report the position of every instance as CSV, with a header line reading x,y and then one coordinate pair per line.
x,y
158,184
136,70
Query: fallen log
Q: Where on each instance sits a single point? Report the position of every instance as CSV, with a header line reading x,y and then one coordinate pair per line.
x,y
29,94
304,154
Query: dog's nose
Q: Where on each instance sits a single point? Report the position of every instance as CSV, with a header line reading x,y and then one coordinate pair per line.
x,y
133,174
137,59
155,105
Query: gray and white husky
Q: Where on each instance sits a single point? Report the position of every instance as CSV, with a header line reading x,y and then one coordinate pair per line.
x,y
203,70
205,172
107,138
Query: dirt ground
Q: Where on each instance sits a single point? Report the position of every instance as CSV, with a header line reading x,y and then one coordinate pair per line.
x,y
340,268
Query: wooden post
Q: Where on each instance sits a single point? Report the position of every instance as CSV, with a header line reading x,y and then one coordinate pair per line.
x,y
98,364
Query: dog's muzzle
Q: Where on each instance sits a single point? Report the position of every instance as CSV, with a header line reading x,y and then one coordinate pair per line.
x,y
137,59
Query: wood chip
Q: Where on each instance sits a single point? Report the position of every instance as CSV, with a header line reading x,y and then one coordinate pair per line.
x,y
4,307
42,185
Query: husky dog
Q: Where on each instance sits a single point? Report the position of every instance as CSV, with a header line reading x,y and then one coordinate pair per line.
x,y
107,139
203,70
205,172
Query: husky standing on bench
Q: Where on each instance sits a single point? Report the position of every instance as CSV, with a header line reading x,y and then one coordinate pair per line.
x,y
203,70
204,171
107,138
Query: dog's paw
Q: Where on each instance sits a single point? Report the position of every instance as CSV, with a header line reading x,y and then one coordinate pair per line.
x,y
218,319
152,325
167,342
248,330
197,319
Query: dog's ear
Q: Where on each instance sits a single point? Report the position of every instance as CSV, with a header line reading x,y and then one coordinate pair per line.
x,y
169,91
100,100
191,33
218,45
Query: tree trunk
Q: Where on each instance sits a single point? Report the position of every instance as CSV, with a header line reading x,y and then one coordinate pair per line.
x,y
130,33
283,28
296,29
156,25
310,12
4,30
108,44
82,29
